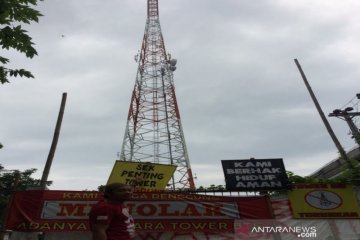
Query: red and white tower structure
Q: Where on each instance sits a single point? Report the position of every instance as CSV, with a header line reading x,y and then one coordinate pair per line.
x,y
153,131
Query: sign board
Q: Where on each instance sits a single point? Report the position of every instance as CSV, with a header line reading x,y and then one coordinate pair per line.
x,y
255,174
161,211
323,201
149,176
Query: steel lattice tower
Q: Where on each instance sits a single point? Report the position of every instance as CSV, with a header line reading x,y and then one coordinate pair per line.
x,y
153,131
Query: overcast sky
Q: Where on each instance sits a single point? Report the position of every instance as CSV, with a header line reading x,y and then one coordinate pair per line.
x,y
239,91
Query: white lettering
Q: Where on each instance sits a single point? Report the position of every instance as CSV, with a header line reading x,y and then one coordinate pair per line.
x,y
258,185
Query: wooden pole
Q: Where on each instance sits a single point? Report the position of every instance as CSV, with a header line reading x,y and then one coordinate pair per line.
x,y
50,158
322,115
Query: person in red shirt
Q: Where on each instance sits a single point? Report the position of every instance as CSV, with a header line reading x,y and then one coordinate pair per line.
x,y
110,219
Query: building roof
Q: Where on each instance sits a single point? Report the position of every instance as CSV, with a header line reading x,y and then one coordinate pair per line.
x,y
335,167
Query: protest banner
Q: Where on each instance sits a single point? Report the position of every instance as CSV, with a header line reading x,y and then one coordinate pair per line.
x,y
67,211
323,201
145,176
255,174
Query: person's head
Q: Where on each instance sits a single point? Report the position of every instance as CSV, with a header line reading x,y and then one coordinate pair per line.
x,y
117,192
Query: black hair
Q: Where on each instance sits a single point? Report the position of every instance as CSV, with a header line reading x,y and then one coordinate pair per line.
x,y
111,187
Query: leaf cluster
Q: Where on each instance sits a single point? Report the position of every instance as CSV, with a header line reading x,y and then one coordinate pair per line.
x,y
13,13
212,187
350,175
11,180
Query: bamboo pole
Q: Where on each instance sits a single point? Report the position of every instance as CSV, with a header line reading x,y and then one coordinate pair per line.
x,y
50,158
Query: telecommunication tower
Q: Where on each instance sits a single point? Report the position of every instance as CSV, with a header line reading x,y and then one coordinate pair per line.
x,y
153,131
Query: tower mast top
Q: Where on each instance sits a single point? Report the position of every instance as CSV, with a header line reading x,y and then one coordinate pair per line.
x,y
153,8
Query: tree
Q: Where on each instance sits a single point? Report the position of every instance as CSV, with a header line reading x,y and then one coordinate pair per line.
x,y
11,180
293,178
350,173
13,36
212,187
101,188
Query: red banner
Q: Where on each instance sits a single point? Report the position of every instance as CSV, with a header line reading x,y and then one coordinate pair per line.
x,y
66,211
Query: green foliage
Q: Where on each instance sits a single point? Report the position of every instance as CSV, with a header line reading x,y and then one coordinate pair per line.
x,y
212,187
13,13
101,188
11,180
351,174
293,178
1,146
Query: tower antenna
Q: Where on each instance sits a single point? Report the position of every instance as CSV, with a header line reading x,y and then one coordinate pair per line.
x,y
153,131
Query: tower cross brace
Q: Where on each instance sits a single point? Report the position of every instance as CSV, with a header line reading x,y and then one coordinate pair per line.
x,y
153,131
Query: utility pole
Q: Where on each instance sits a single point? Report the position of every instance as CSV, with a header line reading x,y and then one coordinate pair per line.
x,y
347,115
322,115
50,158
